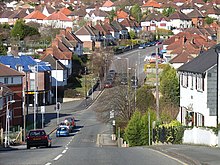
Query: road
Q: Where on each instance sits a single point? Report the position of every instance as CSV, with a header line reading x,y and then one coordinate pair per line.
x,y
81,147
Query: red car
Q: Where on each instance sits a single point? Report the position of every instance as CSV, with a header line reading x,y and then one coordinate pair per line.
x,y
37,138
108,84
70,120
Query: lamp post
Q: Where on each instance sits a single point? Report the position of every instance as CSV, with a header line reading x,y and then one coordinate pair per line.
x,y
157,86
7,125
217,50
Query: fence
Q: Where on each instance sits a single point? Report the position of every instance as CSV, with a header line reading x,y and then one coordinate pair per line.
x,y
14,136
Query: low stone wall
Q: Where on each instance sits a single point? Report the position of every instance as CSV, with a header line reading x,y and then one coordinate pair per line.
x,y
200,136
70,99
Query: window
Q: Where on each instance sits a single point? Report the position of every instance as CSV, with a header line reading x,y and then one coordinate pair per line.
x,y
20,68
191,81
32,85
6,80
12,80
185,80
200,83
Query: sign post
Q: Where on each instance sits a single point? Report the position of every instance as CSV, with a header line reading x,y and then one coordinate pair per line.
x,y
58,108
42,114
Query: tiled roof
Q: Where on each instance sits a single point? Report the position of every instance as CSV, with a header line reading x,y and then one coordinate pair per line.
x,y
182,57
108,3
65,11
52,61
6,71
99,13
102,29
24,61
49,8
196,14
152,3
78,12
110,28
155,16
35,15
6,14
201,63
188,5
129,23
121,14
19,14
58,16
118,26
179,15
213,10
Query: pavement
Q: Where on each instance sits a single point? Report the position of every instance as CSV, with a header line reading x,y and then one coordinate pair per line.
x,y
102,139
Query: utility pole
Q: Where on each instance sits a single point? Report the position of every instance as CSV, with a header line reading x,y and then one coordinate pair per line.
x,y
157,85
85,87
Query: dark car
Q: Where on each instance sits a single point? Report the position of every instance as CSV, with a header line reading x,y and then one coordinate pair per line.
x,y
62,131
37,138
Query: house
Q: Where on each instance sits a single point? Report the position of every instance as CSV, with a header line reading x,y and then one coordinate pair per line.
x,y
107,6
123,31
96,15
197,18
155,20
150,5
114,32
89,36
121,15
45,9
59,76
4,16
179,20
37,77
11,88
71,41
18,14
58,20
199,86
77,15
131,25
35,16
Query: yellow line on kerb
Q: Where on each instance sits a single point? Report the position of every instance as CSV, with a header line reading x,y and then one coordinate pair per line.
x,y
169,157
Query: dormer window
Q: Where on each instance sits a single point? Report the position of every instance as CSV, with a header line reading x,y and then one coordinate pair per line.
x,y
19,68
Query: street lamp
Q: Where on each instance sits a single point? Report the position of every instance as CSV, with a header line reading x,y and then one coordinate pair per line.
x,y
7,124
217,50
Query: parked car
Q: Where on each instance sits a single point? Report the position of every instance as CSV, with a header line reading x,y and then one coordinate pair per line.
x,y
142,46
124,81
62,131
108,84
112,72
67,124
71,120
37,138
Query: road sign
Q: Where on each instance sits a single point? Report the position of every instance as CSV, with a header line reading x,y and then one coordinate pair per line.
x,y
58,106
42,109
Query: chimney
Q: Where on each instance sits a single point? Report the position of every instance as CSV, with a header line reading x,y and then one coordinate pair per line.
x,y
49,51
69,29
107,20
62,32
55,42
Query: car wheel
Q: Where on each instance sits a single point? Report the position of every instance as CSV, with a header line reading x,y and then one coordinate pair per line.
x,y
28,147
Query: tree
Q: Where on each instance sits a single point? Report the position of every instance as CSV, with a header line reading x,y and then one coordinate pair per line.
x,y
145,99
3,49
133,130
168,11
112,14
209,20
136,12
22,30
132,34
169,88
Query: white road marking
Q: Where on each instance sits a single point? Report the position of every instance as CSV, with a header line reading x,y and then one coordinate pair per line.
x,y
64,151
58,157
66,148
48,163
169,157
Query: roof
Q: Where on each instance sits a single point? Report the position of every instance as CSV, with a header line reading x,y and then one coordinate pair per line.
x,y
183,57
65,11
35,15
121,14
118,26
52,60
151,3
24,61
179,15
196,14
6,71
58,16
201,63
108,3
